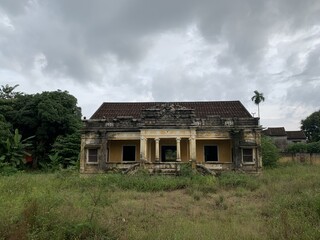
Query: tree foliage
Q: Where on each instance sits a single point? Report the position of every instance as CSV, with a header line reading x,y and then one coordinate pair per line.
x,y
313,147
8,92
5,132
270,153
51,117
257,99
46,115
15,150
311,127
67,148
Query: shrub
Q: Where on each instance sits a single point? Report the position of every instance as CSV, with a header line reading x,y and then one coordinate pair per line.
x,y
270,153
297,148
186,170
6,169
313,147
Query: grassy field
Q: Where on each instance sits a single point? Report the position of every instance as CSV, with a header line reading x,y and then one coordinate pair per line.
x,y
281,203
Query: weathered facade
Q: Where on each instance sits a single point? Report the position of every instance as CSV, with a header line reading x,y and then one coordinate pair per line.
x,y
162,135
278,136
283,138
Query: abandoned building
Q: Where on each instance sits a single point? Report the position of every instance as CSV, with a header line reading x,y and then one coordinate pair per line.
x,y
283,138
160,136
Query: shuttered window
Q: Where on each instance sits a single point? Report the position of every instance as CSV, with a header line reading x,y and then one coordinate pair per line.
x,y
92,155
247,155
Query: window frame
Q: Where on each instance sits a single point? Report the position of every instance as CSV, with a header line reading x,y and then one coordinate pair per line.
x,y
135,153
97,155
204,153
163,153
252,156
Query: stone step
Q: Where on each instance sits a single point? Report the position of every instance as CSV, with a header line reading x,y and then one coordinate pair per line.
x,y
165,171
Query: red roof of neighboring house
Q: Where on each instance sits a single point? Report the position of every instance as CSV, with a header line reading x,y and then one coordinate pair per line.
x,y
296,135
202,109
275,131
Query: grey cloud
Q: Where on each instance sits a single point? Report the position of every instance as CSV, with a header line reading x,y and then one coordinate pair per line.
x,y
312,69
76,35
305,94
174,85
15,7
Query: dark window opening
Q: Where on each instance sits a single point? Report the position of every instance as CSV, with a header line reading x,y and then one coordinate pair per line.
x,y
247,155
93,155
129,153
168,153
211,153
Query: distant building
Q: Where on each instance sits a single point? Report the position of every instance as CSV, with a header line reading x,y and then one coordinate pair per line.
x,y
282,138
161,135
296,137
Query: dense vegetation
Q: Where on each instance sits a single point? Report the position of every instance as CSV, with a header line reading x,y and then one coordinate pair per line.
x,y
270,153
282,203
38,125
311,126
312,147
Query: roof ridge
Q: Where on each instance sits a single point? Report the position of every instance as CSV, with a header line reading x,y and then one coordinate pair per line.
x,y
229,108
200,101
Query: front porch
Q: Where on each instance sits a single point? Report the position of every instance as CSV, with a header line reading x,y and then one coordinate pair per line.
x,y
169,150
161,168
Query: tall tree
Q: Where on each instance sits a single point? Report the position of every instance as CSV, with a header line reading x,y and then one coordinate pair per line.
x,y
5,133
46,116
7,97
311,126
257,99
8,92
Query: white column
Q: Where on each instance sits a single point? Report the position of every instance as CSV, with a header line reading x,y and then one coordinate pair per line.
x,y
192,146
157,140
178,150
143,149
146,149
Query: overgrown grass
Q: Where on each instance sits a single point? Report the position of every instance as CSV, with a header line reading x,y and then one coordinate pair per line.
x,y
282,203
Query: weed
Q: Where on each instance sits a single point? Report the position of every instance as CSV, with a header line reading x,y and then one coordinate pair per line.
x,y
234,180
186,170
220,203
282,203
196,196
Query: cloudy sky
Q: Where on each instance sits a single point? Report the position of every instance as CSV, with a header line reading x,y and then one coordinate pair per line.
x,y
168,50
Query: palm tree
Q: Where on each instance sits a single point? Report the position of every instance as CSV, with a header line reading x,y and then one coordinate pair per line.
x,y
258,98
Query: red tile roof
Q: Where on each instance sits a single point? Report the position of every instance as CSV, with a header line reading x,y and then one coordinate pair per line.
x,y
202,109
296,135
275,131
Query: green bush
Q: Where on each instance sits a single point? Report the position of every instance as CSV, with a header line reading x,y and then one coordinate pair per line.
x,y
297,148
186,170
313,147
270,153
6,169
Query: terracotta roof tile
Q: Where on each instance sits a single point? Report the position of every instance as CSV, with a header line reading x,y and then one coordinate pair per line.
x,y
275,131
202,109
296,135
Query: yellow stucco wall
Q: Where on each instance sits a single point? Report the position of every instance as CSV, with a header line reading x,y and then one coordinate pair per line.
x,y
224,150
115,149
185,152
